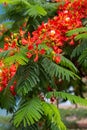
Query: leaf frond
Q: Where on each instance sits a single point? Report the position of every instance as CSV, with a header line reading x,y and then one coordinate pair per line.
x,y
28,113
72,98
79,48
4,54
67,63
28,78
81,36
55,70
19,57
52,112
76,31
83,58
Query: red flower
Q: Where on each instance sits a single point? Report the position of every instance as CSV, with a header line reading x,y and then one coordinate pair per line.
x,y
12,88
55,48
1,64
36,58
21,32
13,93
57,59
52,99
29,55
6,46
30,47
13,45
24,41
1,50
49,88
59,50
13,68
42,51
38,42
1,89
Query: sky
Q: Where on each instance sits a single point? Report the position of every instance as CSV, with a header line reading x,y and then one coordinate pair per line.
x,y
1,10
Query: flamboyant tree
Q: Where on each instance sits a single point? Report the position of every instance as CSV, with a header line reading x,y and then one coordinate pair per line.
x,y
38,60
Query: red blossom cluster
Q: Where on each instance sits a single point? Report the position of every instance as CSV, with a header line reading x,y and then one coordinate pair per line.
x,y
69,17
6,75
51,34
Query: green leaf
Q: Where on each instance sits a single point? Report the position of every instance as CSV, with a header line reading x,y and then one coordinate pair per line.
x,y
72,98
81,36
52,112
28,78
55,70
4,54
79,48
7,100
19,57
76,31
28,113
67,63
36,10
83,58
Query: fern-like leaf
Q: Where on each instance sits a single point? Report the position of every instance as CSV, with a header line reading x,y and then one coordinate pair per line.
x,y
28,78
54,127
76,31
19,57
7,100
35,11
28,113
4,54
81,36
72,98
67,63
56,70
79,48
52,112
83,58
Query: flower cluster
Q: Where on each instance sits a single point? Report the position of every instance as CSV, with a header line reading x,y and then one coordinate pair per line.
x,y
6,74
51,34
69,17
